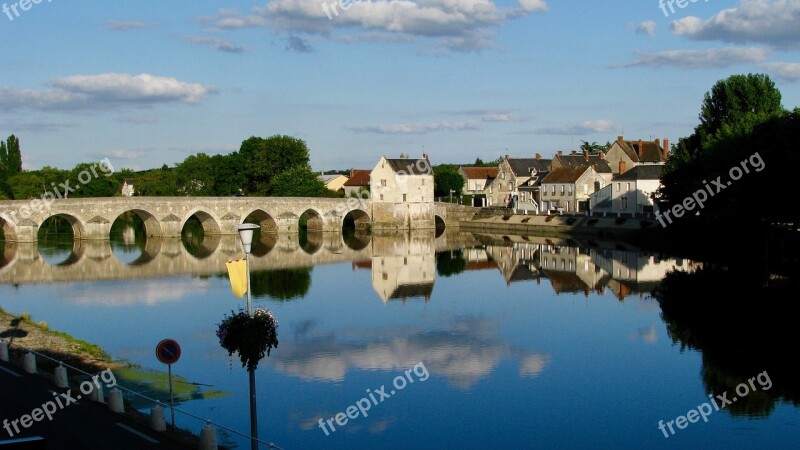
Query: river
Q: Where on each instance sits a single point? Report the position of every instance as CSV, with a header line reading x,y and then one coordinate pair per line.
x,y
463,341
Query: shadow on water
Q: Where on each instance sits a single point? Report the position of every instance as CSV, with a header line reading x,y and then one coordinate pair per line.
x,y
743,321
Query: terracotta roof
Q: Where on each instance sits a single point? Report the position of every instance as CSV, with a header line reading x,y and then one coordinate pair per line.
x,y
411,166
652,151
358,178
480,173
565,175
642,172
580,161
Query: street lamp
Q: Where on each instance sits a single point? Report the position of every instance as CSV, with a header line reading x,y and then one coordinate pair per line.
x,y
246,234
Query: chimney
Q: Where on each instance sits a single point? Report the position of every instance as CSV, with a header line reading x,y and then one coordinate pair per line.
x,y
538,156
551,166
622,167
641,149
506,156
666,148
601,154
574,153
620,139
352,173
586,155
658,142
560,153
425,156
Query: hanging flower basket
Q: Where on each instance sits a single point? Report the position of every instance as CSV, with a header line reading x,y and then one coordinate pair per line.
x,y
250,337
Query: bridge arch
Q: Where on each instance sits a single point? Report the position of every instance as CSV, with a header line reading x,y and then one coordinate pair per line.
x,y
76,223
209,221
313,220
263,218
9,229
360,219
152,226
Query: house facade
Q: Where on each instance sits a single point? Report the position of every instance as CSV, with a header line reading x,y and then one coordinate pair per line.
x,y
476,179
127,188
334,182
402,191
629,193
575,159
513,173
624,155
358,180
568,189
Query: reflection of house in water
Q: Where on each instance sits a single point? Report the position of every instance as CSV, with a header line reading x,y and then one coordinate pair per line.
x,y
518,262
575,269
478,259
404,266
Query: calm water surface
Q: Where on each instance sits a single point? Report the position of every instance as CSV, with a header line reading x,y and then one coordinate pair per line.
x,y
525,342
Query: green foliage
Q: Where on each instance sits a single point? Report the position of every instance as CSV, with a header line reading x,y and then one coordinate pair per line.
x,y
268,157
161,182
229,174
298,181
195,176
594,148
12,156
450,263
26,185
284,284
100,184
445,178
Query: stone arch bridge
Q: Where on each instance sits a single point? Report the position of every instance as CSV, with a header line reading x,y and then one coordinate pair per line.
x,y
91,218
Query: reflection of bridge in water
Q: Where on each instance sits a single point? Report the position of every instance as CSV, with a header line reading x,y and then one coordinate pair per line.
x,y
96,260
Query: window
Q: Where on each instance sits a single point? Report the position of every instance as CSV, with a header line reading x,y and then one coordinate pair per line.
x,y
383,183
569,190
381,197
623,203
503,175
522,196
404,197
423,181
628,188
619,185
562,189
510,186
586,189
553,190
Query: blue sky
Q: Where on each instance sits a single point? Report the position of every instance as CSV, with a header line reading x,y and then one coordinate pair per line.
x,y
146,83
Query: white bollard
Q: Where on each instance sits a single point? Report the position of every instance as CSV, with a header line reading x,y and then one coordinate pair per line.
x,y
157,420
4,351
115,403
61,377
29,363
97,393
208,438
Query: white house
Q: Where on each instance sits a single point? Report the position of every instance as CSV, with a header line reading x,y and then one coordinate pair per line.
x,y
629,193
402,180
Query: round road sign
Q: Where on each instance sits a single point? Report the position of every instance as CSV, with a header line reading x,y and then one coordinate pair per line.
x,y
168,351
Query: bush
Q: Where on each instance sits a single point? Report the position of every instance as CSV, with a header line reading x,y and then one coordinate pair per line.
x,y
250,337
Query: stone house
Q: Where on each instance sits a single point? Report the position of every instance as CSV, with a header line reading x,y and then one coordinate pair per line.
x,y
127,187
629,193
476,179
624,155
402,192
568,189
513,173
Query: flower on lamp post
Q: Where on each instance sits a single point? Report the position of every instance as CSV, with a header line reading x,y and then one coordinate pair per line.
x,y
250,337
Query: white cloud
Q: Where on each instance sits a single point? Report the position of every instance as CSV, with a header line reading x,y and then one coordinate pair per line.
x,y
784,70
104,91
419,128
759,21
222,45
125,154
125,25
648,28
458,25
585,127
692,59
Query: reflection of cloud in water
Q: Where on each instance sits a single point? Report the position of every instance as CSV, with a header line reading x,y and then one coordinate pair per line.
x,y
462,351
138,292
648,335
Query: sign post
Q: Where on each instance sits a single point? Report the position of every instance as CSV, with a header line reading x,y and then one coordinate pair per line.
x,y
168,352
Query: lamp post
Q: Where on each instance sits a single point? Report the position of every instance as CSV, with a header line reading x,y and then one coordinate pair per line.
x,y
246,234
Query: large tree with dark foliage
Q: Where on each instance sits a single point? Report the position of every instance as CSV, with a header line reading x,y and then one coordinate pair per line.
x,y
265,158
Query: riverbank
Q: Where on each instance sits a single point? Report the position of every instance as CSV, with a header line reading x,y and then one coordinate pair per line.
x,y
567,225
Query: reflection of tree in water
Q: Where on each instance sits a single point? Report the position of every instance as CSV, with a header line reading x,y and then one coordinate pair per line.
x,y
192,236
742,326
281,285
125,222
450,263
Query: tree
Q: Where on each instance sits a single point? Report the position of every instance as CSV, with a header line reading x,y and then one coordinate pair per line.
x,y
157,182
13,161
594,148
195,176
281,285
738,102
26,185
229,174
298,181
89,180
265,158
445,178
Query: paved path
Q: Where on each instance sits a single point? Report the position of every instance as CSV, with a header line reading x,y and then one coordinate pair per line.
x,y
83,425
